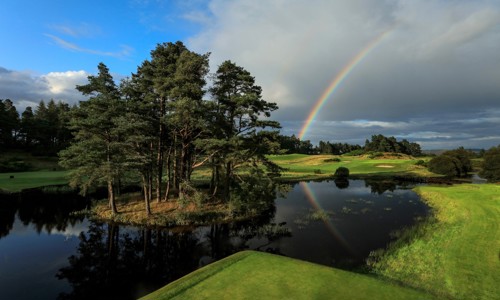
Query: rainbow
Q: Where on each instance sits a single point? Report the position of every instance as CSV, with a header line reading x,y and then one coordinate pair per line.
x,y
311,197
340,78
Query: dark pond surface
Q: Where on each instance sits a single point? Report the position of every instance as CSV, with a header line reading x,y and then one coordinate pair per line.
x,y
47,254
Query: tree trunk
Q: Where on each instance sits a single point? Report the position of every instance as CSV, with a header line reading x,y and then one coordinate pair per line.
x,y
159,161
227,182
111,197
159,172
169,173
146,193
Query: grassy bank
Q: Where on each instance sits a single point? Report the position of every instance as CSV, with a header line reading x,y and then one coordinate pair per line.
x,y
26,180
302,166
257,275
458,255
38,171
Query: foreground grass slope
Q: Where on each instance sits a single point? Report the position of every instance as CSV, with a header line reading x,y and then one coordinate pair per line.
x,y
257,275
458,255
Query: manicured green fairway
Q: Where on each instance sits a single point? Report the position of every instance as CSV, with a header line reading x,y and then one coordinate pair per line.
x,y
24,180
305,166
257,275
458,256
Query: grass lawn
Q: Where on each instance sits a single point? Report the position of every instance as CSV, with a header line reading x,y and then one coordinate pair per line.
x,y
458,255
25,180
302,166
258,275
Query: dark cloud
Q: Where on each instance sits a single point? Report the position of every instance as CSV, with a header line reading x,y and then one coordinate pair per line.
x,y
432,78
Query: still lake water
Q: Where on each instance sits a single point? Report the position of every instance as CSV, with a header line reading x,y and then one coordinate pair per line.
x,y
47,254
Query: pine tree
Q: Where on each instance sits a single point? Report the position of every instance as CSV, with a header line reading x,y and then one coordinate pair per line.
x,y
97,153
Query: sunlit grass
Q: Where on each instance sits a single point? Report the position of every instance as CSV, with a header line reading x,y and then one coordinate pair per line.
x,y
458,254
301,166
257,275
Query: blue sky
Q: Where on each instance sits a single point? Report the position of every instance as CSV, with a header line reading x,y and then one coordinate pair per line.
x,y
55,35
435,78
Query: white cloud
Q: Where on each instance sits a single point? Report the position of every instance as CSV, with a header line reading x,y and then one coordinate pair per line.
x,y
64,82
81,30
125,51
25,88
379,124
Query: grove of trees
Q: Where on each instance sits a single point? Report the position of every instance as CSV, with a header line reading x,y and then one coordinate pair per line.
x,y
156,126
381,143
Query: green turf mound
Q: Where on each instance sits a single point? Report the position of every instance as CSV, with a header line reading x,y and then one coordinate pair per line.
x,y
258,275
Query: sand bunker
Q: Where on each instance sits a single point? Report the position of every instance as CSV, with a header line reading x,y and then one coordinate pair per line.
x,y
385,166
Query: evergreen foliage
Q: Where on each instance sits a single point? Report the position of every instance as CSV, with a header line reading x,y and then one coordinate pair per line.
x,y
491,165
452,163
380,143
341,172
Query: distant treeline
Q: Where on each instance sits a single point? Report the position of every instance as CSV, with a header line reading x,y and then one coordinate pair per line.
x,y
378,143
45,131
42,131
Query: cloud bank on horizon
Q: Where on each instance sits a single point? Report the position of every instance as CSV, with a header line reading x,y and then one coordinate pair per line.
x,y
434,79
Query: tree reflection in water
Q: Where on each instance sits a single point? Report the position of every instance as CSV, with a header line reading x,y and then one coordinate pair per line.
x,y
122,262
45,211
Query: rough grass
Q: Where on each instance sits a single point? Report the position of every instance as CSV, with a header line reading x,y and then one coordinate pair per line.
x,y
458,254
301,166
258,275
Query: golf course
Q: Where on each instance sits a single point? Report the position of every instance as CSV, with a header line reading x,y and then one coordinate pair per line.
x,y
453,254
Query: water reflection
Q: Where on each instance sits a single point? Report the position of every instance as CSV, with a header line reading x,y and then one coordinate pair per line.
x,y
117,262
58,255
46,212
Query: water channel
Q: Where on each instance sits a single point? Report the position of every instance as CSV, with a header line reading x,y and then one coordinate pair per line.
x,y
47,253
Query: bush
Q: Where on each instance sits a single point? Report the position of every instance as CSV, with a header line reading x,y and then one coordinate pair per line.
x,y
491,165
375,155
421,162
445,165
452,163
341,172
355,152
335,159
464,163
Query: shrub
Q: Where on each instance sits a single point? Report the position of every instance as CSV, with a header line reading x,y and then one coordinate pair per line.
x,y
335,159
421,162
445,165
375,155
355,152
452,163
342,172
463,156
